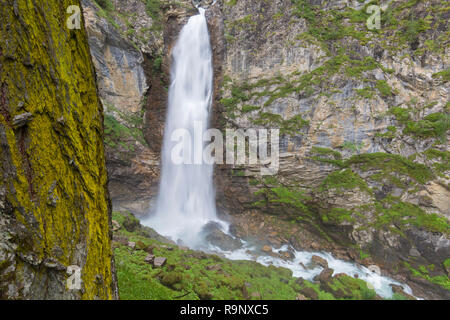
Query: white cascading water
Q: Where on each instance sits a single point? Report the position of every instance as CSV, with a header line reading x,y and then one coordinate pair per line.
x,y
186,199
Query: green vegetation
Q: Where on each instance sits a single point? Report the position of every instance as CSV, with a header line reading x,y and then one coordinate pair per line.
x,y
106,4
195,275
441,160
231,3
383,87
390,164
338,216
342,180
392,211
154,10
119,134
423,272
291,126
443,75
106,10
434,125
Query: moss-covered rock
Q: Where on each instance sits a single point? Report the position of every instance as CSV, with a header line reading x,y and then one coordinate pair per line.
x,y
55,209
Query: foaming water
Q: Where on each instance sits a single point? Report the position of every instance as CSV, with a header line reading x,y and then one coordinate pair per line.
x,y
300,266
186,199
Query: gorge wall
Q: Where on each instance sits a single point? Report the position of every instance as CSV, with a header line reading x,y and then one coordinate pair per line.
x,y
364,119
363,115
54,203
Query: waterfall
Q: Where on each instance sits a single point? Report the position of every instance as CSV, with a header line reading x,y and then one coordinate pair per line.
x,y
186,200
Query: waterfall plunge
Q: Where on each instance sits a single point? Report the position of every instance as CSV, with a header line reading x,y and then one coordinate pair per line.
x,y
186,199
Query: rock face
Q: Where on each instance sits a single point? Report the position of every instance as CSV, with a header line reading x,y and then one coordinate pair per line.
x,y
120,58
54,204
363,118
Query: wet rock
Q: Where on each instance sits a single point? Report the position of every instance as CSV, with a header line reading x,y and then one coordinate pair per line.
x,y
287,255
245,291
300,281
215,236
276,243
399,290
302,265
159,262
294,243
319,261
152,234
198,255
267,249
149,249
325,275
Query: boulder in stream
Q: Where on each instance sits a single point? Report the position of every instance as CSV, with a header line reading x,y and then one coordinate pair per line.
x,y
214,235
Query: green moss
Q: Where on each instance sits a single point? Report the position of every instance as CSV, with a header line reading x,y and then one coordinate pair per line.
x,y
326,155
390,133
338,216
231,3
106,4
383,87
48,68
290,126
390,164
327,152
348,287
434,125
247,108
422,272
446,263
154,10
193,275
342,180
443,75
366,92
392,211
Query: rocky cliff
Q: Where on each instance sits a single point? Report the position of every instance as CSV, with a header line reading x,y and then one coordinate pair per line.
x,y
364,119
363,116
54,203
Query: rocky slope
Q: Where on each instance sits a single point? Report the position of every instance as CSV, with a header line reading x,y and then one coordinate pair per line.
x,y
364,120
54,202
363,114
154,268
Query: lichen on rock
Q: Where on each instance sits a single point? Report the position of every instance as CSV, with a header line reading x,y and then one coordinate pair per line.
x,y
55,209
